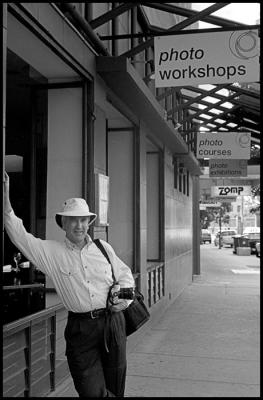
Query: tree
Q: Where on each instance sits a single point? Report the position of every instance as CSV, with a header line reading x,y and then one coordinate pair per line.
x,y
207,216
255,190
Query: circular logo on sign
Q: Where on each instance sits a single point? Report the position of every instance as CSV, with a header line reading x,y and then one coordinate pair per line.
x,y
244,45
243,139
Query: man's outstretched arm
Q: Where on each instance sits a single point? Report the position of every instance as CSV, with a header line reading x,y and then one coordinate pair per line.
x,y
34,249
7,203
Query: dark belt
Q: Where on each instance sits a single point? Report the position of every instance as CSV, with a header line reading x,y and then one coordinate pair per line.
x,y
100,312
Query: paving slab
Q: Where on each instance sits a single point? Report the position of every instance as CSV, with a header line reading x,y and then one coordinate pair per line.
x,y
163,387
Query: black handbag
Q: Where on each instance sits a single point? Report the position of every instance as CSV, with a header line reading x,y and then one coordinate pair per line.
x,y
136,314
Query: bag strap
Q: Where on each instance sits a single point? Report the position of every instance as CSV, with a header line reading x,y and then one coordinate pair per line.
x,y
104,252
108,311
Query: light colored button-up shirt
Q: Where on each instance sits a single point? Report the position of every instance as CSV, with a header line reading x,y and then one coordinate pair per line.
x,y
81,277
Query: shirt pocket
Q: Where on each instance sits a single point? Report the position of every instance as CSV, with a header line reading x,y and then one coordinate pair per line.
x,y
68,271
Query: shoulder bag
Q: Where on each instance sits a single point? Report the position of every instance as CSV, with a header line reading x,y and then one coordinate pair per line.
x,y
136,314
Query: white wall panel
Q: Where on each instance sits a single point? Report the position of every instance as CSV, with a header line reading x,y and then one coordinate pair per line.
x,y
153,206
120,231
64,172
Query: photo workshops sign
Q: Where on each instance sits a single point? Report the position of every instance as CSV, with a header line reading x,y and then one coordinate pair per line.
x,y
201,58
223,145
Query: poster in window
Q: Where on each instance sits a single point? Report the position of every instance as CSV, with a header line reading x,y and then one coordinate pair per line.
x,y
102,199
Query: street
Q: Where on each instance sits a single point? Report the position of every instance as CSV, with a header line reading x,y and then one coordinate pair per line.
x,y
221,265
206,344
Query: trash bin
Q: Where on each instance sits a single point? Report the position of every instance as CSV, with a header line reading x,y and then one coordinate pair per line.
x,y
240,241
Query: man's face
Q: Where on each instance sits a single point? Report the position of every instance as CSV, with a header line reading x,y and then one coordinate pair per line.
x,y
76,228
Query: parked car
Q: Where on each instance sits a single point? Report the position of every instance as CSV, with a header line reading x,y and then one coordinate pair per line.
x,y
205,236
253,238
226,238
250,236
257,249
251,229
253,235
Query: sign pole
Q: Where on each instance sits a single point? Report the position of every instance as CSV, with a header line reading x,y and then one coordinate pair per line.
x,y
242,214
220,224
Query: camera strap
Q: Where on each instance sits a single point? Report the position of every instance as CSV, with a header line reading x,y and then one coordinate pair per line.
x,y
108,313
104,252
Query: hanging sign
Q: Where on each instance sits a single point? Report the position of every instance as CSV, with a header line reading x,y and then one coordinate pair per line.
x,y
227,200
227,168
203,206
212,57
230,191
223,145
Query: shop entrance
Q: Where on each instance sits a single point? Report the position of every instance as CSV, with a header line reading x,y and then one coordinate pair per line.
x,y
25,163
26,142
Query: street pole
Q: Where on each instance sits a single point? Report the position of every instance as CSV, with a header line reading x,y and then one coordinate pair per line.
x,y
3,40
242,214
220,224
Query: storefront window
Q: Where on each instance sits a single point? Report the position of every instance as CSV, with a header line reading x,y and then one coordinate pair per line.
x,y
25,163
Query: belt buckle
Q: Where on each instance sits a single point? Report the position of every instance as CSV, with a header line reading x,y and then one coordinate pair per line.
x,y
93,316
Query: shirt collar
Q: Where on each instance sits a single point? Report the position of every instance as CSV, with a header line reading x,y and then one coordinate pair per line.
x,y
72,246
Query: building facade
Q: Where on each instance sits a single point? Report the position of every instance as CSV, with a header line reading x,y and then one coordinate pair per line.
x,y
81,120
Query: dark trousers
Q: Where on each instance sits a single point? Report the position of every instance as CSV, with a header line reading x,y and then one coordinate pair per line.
x,y
96,372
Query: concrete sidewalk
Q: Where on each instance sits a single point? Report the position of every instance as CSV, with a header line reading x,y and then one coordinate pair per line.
x,y
206,344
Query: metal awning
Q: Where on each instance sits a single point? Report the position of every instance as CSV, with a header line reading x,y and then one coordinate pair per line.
x,y
225,107
122,78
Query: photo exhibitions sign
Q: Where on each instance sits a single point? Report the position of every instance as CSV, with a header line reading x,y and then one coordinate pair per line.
x,y
227,168
223,145
201,58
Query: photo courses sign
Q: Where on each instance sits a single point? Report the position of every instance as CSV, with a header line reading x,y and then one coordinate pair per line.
x,y
223,145
212,57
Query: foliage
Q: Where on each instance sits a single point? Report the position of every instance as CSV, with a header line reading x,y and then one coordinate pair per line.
x,y
213,214
255,152
255,190
255,209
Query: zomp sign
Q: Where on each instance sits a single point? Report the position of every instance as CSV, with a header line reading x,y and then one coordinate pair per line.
x,y
230,191
200,58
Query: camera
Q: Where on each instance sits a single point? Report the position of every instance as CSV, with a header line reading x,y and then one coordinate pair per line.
x,y
126,293
117,292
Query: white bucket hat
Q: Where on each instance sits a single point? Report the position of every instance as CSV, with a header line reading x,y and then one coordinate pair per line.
x,y
75,207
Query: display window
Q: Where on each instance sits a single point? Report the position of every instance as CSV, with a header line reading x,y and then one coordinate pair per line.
x,y
25,163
